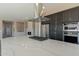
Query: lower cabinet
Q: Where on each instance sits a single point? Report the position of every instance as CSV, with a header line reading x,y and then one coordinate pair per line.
x,y
59,32
56,32
52,32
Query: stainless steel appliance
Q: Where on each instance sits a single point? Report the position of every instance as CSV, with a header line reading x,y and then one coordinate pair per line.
x,y
70,32
71,26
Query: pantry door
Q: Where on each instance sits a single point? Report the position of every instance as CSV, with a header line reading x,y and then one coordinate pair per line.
x,y
7,29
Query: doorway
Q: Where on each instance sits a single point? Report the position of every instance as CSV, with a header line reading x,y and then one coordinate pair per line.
x,y
45,30
7,29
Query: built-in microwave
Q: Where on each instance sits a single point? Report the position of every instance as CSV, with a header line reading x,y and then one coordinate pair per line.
x,y
70,26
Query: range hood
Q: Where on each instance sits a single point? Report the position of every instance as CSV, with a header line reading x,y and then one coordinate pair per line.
x,y
39,17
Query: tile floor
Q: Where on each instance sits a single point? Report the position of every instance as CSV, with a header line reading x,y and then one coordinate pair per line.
x,y
24,46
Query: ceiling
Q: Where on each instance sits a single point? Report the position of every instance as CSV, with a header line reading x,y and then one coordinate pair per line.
x,y
16,11
51,8
25,11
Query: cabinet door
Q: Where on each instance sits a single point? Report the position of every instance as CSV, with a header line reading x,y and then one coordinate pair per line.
x,y
52,27
59,29
67,16
59,32
52,32
74,14
71,15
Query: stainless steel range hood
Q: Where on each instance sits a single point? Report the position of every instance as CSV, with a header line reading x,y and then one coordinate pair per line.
x,y
39,11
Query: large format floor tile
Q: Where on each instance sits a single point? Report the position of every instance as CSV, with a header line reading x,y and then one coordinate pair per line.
x,y
24,46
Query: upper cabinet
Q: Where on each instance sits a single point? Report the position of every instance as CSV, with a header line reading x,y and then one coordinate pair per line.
x,y
59,17
71,15
66,16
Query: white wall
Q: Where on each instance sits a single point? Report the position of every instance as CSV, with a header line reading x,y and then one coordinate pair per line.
x,y
15,33
18,34
30,28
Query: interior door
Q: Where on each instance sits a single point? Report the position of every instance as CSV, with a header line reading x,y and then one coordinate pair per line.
x,y
7,29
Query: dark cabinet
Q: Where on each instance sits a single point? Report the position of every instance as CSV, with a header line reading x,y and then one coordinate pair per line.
x,y
52,27
71,15
59,29
59,32
66,16
75,14
56,27
58,19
